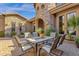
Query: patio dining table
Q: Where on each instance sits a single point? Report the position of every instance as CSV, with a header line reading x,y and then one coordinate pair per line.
x,y
36,41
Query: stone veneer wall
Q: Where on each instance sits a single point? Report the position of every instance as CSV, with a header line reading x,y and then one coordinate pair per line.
x,y
43,14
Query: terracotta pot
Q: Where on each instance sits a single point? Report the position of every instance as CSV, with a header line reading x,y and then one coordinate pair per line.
x,y
42,35
77,45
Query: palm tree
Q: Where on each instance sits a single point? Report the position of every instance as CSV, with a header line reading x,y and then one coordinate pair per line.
x,y
77,21
74,23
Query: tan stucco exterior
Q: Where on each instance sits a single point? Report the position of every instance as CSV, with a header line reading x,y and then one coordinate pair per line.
x,y
48,13
2,23
6,23
63,10
14,18
51,12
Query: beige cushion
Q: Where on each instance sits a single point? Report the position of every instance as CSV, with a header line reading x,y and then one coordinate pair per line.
x,y
53,34
27,34
26,47
35,34
47,48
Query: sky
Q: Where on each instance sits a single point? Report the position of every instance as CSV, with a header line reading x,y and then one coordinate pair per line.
x,y
25,9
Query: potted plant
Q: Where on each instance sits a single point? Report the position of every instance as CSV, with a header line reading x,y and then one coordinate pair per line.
x,y
69,36
48,31
73,22
21,34
2,34
13,33
40,31
77,41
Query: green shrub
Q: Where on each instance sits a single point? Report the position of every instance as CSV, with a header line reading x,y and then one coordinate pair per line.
x,y
13,33
2,34
48,31
22,33
77,40
39,30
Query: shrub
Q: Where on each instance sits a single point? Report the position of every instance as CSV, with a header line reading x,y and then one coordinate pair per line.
x,y
2,34
22,33
48,31
39,30
13,33
77,40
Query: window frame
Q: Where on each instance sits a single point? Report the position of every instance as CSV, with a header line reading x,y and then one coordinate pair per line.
x,y
42,6
37,7
70,13
67,17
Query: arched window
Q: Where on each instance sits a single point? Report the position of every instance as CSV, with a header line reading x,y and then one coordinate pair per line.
x,y
13,26
37,8
20,27
42,6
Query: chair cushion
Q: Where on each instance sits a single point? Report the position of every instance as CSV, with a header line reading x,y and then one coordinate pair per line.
x,y
48,42
26,47
27,34
47,48
35,34
53,34
23,42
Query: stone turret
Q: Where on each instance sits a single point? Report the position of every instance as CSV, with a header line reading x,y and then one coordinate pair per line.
x,y
42,13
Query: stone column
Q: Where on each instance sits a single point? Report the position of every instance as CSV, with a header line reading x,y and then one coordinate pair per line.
x,y
36,24
65,23
77,29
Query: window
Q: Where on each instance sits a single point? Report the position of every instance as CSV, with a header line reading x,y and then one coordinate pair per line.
x,y
70,15
37,8
42,6
20,27
61,24
13,26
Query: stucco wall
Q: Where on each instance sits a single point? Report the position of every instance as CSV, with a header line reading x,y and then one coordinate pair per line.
x,y
2,23
64,13
17,20
29,27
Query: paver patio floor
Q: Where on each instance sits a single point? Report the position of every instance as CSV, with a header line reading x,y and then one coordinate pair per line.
x,y
5,47
68,47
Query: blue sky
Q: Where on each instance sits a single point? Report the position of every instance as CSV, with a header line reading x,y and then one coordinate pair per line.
x,y
25,9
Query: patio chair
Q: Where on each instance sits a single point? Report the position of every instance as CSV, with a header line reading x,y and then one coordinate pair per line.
x,y
35,34
52,50
21,40
48,42
27,34
53,34
62,39
20,49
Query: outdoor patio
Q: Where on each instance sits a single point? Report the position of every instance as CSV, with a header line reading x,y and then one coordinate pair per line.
x,y
68,47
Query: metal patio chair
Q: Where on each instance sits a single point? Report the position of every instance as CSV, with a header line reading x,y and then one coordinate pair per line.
x,y
52,50
20,48
35,34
